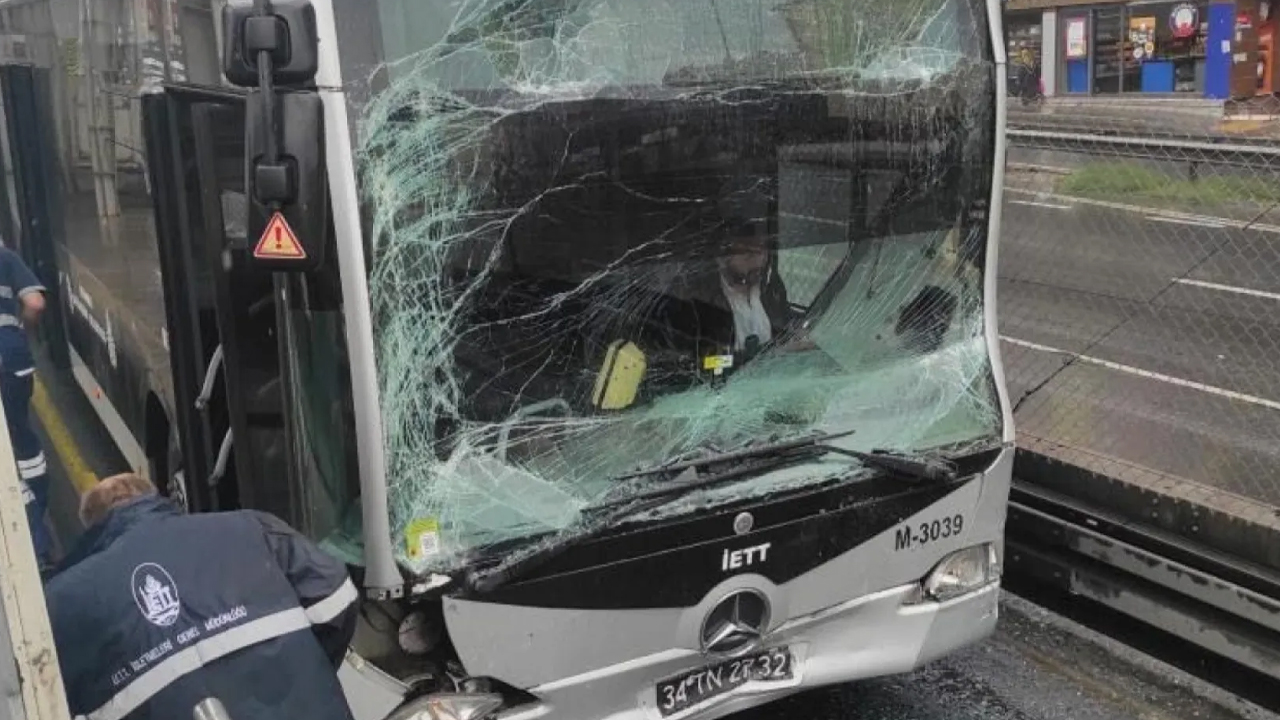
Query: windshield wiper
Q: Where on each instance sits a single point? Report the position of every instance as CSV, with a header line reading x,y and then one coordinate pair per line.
x,y
748,453
921,467
485,582
930,468
769,457
689,479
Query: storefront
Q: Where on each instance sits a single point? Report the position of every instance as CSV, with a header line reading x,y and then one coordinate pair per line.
x,y
1180,48
1024,43
1141,47
1023,38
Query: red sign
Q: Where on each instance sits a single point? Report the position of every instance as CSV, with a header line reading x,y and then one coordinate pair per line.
x,y
1184,20
278,242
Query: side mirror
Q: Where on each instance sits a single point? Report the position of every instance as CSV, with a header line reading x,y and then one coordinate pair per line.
x,y
270,43
288,33
295,187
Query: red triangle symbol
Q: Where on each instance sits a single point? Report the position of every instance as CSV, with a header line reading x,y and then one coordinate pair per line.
x,y
278,241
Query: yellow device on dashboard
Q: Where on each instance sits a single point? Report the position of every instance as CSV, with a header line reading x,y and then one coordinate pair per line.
x,y
620,376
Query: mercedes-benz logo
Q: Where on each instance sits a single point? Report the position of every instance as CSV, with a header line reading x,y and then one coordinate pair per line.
x,y
743,523
736,624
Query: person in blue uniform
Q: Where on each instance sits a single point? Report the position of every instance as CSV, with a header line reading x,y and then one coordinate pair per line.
x,y
154,611
21,302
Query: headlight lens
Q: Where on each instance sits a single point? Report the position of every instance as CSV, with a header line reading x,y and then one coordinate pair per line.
x,y
449,706
963,572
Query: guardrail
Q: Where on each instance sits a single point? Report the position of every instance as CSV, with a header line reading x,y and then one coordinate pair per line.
x,y
1156,127
1221,604
1115,141
1195,152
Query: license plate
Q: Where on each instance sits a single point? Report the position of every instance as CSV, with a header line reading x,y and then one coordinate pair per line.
x,y
698,686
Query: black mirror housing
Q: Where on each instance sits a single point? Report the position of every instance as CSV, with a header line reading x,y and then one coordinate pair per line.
x,y
289,34
297,182
275,183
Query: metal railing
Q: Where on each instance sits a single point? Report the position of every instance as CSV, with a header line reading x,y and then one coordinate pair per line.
x,y
1140,325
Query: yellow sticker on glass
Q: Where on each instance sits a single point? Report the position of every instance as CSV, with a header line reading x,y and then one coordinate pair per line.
x,y
717,363
422,538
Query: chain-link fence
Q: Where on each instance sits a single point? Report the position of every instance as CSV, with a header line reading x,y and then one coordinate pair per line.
x,y
1140,308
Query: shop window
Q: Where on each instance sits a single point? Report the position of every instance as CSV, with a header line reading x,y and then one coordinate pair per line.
x,y
1024,45
1108,50
1167,47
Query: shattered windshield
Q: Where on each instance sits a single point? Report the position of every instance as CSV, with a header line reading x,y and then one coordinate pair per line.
x,y
607,233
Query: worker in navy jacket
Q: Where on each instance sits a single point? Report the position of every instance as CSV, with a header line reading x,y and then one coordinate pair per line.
x,y
155,611
21,303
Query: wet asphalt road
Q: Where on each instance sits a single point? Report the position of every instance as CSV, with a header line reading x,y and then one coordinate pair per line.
x,y
1038,666
1179,326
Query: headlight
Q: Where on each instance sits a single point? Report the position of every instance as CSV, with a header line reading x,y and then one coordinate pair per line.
x,y
449,706
962,572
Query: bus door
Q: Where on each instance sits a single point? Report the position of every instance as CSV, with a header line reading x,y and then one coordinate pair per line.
x,y
30,219
221,312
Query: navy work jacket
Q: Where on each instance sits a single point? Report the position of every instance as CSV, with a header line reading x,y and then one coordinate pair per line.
x,y
155,611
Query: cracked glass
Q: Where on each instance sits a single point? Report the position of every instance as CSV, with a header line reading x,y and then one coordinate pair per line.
x,y
603,234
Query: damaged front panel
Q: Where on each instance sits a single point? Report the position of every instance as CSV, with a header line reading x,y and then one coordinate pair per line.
x,y
609,233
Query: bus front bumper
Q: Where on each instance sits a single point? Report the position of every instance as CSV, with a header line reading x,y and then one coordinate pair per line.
x,y
885,633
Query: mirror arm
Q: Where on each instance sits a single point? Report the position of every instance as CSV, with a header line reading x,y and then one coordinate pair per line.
x,y
266,84
267,41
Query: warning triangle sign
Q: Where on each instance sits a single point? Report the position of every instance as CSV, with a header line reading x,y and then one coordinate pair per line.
x,y
278,241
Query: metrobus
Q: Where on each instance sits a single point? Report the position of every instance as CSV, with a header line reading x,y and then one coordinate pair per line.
x,y
76,200
639,356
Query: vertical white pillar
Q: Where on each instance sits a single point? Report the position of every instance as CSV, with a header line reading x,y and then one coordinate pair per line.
x,y
30,678
1049,52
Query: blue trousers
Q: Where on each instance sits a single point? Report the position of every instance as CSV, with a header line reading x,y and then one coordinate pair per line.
x,y
15,391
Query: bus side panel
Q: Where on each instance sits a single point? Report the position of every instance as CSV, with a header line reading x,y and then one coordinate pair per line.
x,y
100,268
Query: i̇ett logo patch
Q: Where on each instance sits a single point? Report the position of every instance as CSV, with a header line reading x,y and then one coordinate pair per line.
x,y
156,594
